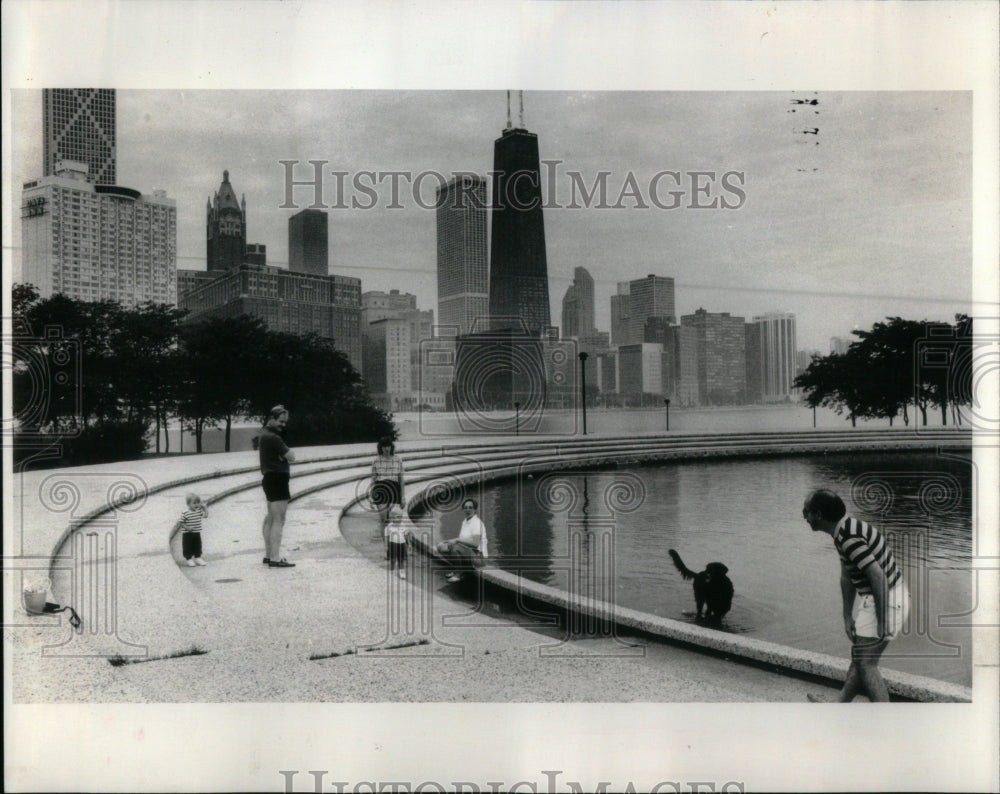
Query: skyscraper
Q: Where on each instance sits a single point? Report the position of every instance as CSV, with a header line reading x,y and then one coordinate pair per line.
x,y
776,365
571,311
462,268
308,244
652,296
720,345
226,228
578,306
519,283
620,316
79,124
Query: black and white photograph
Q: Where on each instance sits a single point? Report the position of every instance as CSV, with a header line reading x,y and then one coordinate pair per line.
x,y
619,379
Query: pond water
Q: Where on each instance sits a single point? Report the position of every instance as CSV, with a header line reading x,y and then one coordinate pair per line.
x,y
606,533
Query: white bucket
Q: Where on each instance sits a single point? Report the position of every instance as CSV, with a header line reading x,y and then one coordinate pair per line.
x,y
35,596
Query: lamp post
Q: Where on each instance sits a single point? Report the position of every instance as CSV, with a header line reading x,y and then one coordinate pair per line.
x,y
666,404
814,416
517,418
583,388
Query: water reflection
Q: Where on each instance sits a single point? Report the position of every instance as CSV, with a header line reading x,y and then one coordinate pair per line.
x,y
605,534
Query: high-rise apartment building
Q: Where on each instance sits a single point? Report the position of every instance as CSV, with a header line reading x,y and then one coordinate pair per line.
x,y
720,344
519,282
93,241
296,303
226,228
775,366
620,317
308,243
462,265
78,124
652,296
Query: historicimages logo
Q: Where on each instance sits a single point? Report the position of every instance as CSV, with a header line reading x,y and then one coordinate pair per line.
x,y
321,783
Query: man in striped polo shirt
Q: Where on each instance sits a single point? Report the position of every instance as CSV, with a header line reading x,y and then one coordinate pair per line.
x,y
876,601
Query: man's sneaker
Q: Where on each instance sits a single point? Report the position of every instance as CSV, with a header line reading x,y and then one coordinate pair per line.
x,y
282,563
200,561
191,563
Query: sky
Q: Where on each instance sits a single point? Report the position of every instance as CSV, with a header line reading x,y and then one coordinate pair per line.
x,y
846,211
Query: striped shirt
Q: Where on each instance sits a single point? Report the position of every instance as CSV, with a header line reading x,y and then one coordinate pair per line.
x,y
860,545
191,520
390,468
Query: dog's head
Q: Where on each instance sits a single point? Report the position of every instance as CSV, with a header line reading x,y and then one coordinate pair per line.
x,y
716,569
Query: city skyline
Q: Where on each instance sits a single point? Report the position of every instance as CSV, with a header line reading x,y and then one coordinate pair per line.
x,y
842,228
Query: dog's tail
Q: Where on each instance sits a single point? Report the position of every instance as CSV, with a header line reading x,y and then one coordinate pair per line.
x,y
686,572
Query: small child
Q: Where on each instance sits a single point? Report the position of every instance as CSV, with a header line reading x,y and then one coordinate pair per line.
x,y
190,526
395,541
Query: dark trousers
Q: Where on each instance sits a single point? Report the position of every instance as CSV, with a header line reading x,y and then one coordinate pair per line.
x,y
191,544
395,553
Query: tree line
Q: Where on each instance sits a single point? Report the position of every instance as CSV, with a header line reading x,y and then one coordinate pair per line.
x,y
99,378
897,364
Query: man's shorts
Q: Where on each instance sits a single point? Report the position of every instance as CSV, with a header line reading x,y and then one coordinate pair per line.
x,y
275,484
898,609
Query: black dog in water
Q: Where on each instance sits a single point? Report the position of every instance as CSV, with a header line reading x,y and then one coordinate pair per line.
x,y
712,587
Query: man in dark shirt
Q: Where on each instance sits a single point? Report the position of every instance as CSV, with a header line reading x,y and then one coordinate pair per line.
x,y
876,601
274,459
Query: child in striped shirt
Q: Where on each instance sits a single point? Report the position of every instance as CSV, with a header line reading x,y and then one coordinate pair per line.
x,y
190,526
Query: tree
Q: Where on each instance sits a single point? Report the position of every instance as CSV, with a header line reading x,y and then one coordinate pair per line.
x,y
146,345
326,397
224,363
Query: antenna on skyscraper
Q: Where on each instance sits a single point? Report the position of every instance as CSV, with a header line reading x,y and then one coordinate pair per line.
x,y
520,99
508,110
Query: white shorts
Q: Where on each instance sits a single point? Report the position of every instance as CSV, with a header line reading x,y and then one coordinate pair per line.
x,y
898,610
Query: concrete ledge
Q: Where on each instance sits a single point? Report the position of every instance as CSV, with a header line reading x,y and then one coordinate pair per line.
x,y
904,685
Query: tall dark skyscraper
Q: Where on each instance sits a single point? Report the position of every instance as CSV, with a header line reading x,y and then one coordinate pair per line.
x,y
79,125
519,283
226,228
308,244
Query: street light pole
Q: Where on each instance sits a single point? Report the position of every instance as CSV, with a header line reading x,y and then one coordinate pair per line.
x,y
814,416
583,388
666,403
517,418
